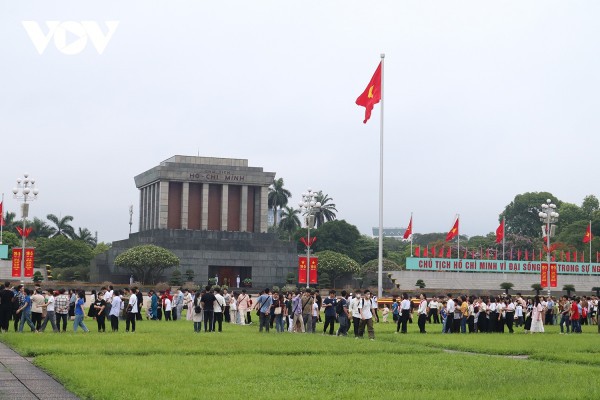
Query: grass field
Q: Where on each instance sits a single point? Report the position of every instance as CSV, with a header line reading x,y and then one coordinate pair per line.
x,y
168,360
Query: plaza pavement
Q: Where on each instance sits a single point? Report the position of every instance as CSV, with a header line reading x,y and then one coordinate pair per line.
x,y
20,379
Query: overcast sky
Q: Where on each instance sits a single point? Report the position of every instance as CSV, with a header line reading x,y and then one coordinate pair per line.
x,y
483,101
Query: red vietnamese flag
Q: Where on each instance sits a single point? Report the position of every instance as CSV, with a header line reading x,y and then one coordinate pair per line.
x,y
408,230
371,95
417,251
588,234
1,214
453,232
500,232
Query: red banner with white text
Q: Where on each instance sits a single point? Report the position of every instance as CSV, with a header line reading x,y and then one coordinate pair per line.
x,y
544,274
302,270
16,262
29,255
553,275
314,263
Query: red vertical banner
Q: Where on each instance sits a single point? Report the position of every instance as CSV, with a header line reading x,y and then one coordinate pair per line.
x,y
302,270
544,275
29,255
553,276
314,264
16,262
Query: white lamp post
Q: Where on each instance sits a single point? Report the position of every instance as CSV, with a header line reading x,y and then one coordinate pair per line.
x,y
309,205
26,191
549,217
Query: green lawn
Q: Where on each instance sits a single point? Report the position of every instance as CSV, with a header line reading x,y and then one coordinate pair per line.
x,y
168,360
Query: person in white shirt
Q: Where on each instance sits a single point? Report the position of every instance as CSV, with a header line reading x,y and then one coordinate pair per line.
x,y
50,316
450,314
433,311
355,311
366,316
168,305
405,307
115,309
422,312
493,315
314,316
132,309
108,298
218,307
482,319
509,314
375,308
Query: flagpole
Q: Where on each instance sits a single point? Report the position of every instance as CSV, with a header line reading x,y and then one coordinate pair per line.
x,y
380,256
590,270
2,218
411,235
458,238
503,238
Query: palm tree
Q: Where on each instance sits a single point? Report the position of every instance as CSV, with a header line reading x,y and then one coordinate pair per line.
x,y
326,211
569,288
506,286
278,198
289,221
62,226
85,236
40,229
10,223
537,287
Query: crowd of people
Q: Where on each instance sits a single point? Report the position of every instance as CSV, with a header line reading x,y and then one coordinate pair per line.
x,y
298,311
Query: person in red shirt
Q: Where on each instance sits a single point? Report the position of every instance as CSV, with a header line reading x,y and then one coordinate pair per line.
x,y
575,327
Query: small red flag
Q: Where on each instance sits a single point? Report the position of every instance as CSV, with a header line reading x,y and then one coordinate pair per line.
x,y
426,255
568,256
575,256
526,254
441,255
582,257
433,252
453,232
449,253
417,251
466,253
518,255
500,232
487,254
408,230
371,95
1,215
588,234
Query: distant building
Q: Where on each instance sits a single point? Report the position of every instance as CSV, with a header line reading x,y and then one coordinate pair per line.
x,y
212,213
396,233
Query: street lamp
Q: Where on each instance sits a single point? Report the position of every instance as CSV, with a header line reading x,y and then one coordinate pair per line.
x,y
26,191
309,205
549,217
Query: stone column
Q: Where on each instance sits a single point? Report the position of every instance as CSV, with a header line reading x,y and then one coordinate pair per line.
x,y
224,206
185,199
264,193
244,209
205,187
163,204
142,210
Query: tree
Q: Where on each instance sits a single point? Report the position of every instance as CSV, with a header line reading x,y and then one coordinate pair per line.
x,y
10,222
506,286
568,288
101,248
147,262
589,206
420,284
522,213
189,275
336,264
570,213
277,198
37,277
537,287
366,249
289,221
62,226
338,236
39,229
12,240
84,235
326,211
373,266
176,278
61,252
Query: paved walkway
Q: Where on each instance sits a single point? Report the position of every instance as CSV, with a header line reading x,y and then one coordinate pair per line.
x,y
20,379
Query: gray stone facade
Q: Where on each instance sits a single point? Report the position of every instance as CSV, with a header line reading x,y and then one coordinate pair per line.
x,y
259,256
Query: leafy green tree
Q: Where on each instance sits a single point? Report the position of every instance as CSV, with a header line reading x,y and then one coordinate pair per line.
x,y
290,222
147,262
589,206
373,266
12,240
10,222
324,281
420,284
506,286
101,248
60,252
327,211
537,287
62,226
570,213
568,288
336,264
37,277
338,236
277,198
522,213
366,249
